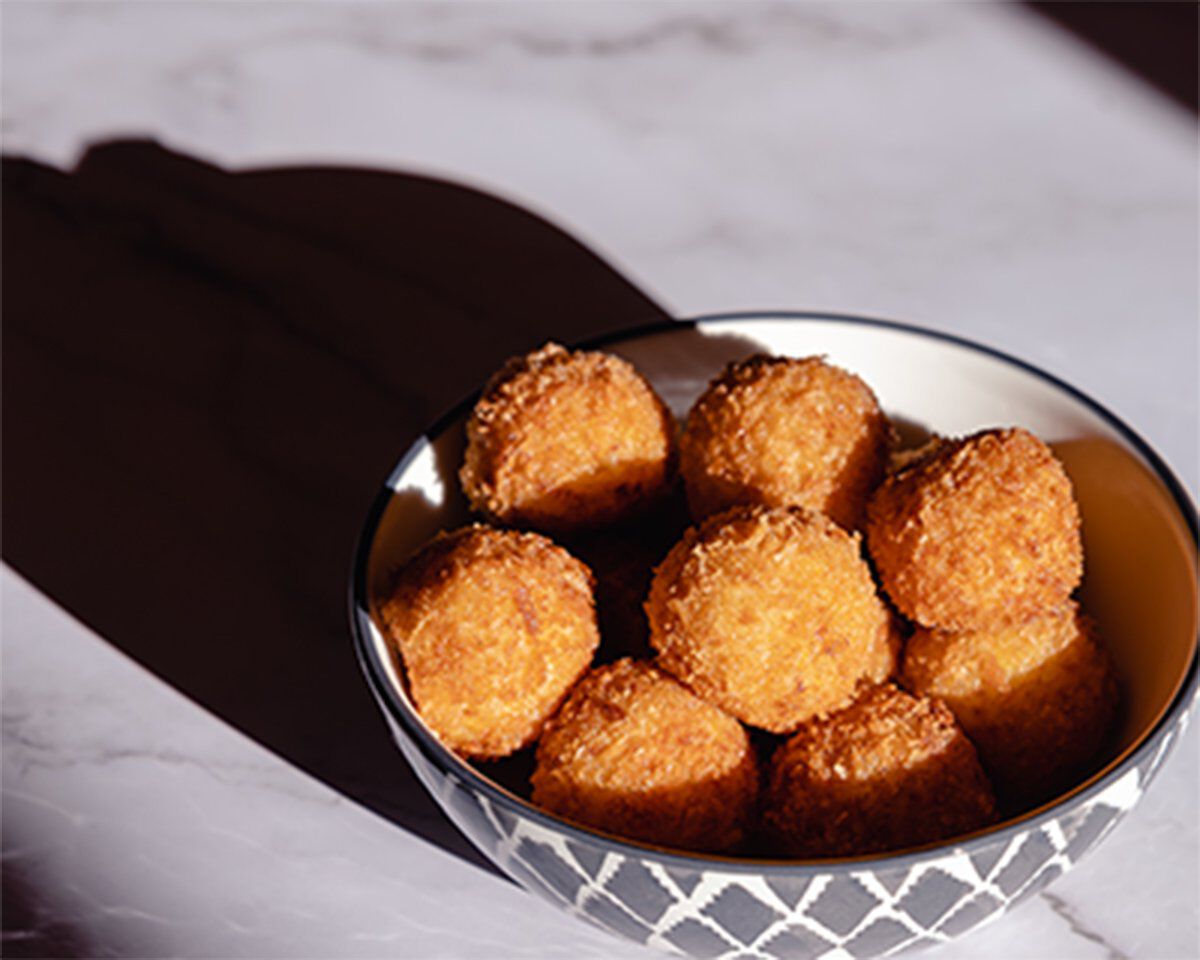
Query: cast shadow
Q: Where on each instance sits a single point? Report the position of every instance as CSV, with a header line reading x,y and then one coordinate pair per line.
x,y
207,375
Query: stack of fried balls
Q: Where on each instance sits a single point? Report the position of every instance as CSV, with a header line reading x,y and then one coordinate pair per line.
x,y
852,649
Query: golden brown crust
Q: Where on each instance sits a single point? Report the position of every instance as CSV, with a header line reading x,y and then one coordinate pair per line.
x,y
492,627
980,531
635,753
563,441
1038,699
771,614
780,431
887,772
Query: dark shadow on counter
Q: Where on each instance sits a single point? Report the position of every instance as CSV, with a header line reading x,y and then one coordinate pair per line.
x,y
207,375
1157,42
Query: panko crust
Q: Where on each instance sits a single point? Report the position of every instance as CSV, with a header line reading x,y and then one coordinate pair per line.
x,y
781,431
771,614
635,753
493,627
1039,699
976,532
887,772
564,441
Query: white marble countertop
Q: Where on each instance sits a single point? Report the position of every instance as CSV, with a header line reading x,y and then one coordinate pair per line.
x,y
964,167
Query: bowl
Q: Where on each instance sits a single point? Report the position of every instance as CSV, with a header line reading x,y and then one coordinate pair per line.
x,y
1139,531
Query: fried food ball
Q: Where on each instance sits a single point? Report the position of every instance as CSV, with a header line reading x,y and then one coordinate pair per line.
x,y
564,441
779,431
889,771
771,614
493,628
1037,699
978,531
635,753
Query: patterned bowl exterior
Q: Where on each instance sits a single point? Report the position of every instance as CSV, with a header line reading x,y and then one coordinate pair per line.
x,y
709,907
704,908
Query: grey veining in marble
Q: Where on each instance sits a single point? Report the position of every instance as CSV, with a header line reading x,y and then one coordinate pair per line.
x,y
960,166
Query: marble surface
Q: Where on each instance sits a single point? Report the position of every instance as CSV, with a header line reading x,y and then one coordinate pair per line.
x,y
960,166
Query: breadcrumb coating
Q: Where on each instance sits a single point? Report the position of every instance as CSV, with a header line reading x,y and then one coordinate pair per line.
x,y
771,614
564,441
780,431
1038,699
635,753
493,627
765,612
887,772
977,532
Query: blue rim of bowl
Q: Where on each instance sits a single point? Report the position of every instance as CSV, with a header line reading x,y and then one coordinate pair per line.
x,y
467,775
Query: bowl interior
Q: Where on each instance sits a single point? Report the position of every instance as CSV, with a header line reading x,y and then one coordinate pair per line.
x,y
1140,559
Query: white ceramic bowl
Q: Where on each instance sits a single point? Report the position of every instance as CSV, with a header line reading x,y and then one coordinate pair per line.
x,y
1140,538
